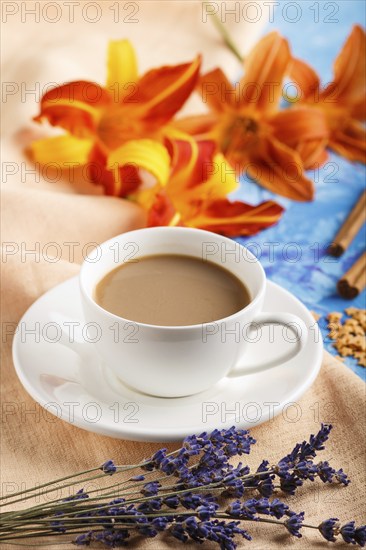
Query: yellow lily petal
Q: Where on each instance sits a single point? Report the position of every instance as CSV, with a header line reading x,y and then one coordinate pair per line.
x,y
146,197
61,150
224,180
219,184
121,65
143,153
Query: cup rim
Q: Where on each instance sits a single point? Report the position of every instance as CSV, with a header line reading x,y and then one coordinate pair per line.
x,y
87,265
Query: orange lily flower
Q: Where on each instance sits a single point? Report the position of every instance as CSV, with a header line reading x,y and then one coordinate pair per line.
x,y
196,194
343,100
119,128
247,127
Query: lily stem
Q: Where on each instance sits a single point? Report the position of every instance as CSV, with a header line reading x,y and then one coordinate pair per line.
x,y
226,37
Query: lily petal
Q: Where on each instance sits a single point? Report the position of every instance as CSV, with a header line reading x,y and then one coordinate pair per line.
x,y
216,90
280,169
143,153
161,212
304,129
306,78
358,110
61,150
99,174
122,74
313,153
121,64
162,92
265,68
237,218
299,124
349,140
221,180
75,106
218,179
196,124
349,83
191,161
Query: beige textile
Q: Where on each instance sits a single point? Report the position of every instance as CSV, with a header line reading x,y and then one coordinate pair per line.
x,y
35,449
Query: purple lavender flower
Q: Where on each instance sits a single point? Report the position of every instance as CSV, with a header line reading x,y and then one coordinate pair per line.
x,y
58,525
111,537
160,523
213,458
151,488
108,467
307,450
289,483
137,478
220,532
212,466
113,511
329,529
306,469
342,477
147,530
84,539
263,483
79,495
172,501
191,501
277,508
203,460
294,523
360,536
195,443
234,509
232,441
325,472
352,534
191,526
234,486
348,532
174,464
249,508
224,532
154,462
316,442
266,487
151,505
117,501
206,511
263,466
178,531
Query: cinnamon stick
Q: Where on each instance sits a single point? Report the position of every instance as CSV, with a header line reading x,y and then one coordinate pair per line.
x,y
350,228
354,281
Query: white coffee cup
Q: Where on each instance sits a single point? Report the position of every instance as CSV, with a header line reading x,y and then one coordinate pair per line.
x,y
179,360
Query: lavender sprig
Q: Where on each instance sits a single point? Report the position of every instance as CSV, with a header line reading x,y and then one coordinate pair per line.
x,y
186,496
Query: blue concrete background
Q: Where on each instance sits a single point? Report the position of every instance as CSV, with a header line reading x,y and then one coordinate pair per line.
x,y
304,268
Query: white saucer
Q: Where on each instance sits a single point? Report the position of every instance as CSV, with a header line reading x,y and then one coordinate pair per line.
x,y
81,390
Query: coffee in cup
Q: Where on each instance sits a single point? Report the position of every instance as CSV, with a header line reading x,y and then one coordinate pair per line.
x,y
171,290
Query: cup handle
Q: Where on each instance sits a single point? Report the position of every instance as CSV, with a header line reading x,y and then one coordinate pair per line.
x,y
293,322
